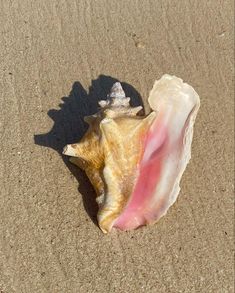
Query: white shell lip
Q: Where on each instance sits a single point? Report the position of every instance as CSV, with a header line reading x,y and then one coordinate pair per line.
x,y
171,89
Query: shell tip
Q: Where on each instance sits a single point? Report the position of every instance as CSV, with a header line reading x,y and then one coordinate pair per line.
x,y
117,91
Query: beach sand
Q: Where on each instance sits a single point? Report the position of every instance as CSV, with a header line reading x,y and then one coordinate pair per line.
x,y
57,59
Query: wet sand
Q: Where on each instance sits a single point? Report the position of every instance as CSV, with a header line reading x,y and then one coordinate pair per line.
x,y
57,59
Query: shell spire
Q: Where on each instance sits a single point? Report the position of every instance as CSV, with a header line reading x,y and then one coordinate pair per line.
x,y
118,96
117,103
117,91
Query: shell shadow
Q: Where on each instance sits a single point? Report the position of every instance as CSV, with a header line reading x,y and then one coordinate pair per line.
x,y
69,127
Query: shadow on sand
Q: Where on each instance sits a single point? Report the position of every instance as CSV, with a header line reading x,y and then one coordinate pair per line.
x,y
69,127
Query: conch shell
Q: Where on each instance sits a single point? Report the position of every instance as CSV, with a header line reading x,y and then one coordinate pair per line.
x,y
135,163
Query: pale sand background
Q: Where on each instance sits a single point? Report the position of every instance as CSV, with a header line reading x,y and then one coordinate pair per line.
x,y
55,49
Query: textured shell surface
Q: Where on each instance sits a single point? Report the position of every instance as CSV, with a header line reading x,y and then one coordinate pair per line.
x,y
134,162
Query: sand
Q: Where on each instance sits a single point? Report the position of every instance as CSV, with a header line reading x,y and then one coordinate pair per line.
x,y
57,59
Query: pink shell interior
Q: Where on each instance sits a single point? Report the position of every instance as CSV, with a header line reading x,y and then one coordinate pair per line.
x,y
160,164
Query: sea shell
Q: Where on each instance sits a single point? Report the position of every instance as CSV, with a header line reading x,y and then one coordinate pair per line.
x,y
135,163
